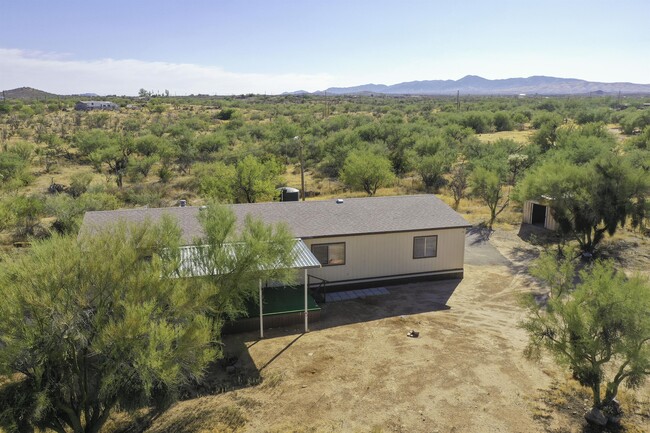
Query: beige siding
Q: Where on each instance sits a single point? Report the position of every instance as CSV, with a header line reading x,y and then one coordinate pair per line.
x,y
389,254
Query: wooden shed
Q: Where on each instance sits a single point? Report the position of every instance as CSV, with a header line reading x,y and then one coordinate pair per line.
x,y
539,213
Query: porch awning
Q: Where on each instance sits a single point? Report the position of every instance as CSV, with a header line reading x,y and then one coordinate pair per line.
x,y
303,257
192,259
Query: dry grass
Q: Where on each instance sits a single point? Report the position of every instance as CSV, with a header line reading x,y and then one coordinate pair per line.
x,y
561,407
358,372
273,379
188,417
518,136
61,174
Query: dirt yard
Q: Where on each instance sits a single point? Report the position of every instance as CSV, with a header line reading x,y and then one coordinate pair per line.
x,y
357,371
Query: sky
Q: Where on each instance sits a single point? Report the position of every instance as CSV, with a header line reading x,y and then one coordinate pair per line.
x,y
273,46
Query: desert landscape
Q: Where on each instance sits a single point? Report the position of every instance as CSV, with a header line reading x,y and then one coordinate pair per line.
x,y
455,194
358,371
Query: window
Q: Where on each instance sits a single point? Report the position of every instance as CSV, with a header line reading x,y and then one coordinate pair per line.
x,y
329,254
425,246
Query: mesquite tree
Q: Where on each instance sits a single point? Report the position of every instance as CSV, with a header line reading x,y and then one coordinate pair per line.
x,y
599,327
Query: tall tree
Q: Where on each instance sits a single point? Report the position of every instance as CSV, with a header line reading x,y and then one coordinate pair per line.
x,y
599,327
115,156
431,169
488,187
458,182
216,181
367,171
255,180
233,257
88,324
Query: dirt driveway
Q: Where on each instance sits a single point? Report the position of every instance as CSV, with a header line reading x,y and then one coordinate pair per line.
x,y
357,371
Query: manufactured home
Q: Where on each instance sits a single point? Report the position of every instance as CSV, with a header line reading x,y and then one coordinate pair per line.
x,y
343,243
358,241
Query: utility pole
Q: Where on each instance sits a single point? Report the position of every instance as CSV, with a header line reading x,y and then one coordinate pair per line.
x,y
458,100
302,167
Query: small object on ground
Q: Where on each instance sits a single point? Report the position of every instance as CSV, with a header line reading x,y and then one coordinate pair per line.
x,y
413,333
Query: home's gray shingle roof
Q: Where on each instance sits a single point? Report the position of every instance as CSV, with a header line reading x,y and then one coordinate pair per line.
x,y
310,219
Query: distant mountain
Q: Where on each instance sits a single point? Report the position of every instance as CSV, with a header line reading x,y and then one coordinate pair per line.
x,y
296,93
27,93
475,85
30,93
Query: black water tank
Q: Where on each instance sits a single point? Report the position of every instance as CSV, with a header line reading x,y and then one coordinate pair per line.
x,y
289,194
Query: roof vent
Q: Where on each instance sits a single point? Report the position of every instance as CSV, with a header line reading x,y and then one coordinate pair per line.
x,y
339,200
182,203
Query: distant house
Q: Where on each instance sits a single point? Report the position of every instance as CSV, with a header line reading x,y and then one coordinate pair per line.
x,y
538,212
95,105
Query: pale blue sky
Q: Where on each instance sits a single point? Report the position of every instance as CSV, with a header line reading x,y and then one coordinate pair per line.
x,y
225,47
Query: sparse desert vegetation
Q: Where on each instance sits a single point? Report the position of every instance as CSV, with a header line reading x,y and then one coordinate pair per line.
x,y
357,370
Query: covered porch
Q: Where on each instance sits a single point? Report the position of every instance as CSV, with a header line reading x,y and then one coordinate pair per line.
x,y
276,304
280,304
282,307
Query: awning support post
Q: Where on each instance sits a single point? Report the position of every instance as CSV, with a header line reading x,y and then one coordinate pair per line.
x,y
261,312
306,305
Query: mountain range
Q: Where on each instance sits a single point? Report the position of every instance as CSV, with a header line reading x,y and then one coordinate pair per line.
x,y
29,93
468,85
475,85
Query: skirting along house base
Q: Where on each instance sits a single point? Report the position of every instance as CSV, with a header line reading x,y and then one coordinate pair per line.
x,y
358,242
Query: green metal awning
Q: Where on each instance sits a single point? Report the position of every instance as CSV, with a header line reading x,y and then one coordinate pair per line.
x,y
192,257
303,257
195,262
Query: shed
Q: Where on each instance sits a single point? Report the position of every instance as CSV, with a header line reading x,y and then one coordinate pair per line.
x,y
538,212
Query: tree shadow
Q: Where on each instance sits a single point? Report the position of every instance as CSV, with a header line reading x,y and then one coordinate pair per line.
x,y
522,258
537,235
536,239
235,370
479,234
609,428
624,252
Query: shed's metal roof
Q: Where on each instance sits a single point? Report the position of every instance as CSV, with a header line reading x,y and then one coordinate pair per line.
x,y
310,219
